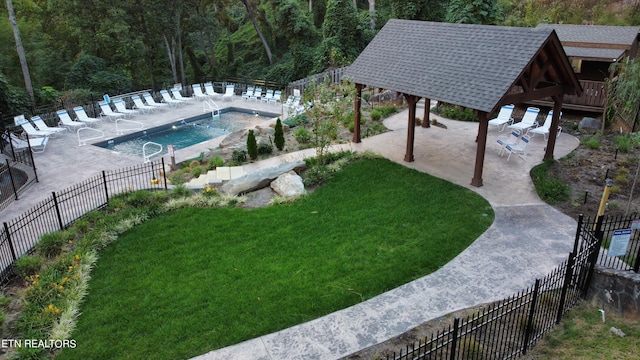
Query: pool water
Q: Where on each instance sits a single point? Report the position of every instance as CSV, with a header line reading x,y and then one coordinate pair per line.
x,y
184,133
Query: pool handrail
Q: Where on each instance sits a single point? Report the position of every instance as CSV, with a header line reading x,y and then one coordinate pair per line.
x,y
212,107
147,158
121,131
84,141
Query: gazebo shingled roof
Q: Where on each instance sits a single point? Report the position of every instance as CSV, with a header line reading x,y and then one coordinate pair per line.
x,y
475,66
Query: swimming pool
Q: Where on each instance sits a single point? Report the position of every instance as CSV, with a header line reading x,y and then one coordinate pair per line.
x,y
184,133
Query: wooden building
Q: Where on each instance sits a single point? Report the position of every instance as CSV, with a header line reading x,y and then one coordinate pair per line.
x,y
475,66
592,49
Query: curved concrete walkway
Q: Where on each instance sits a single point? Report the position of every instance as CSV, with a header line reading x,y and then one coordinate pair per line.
x,y
527,240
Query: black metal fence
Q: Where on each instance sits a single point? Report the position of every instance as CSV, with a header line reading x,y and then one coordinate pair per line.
x,y
509,328
610,230
62,208
17,169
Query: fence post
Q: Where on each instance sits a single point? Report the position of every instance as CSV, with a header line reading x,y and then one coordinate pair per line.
x,y
13,184
13,251
33,163
454,340
106,189
532,309
578,231
593,257
55,202
164,174
565,286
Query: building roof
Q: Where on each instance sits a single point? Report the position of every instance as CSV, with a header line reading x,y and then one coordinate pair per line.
x,y
608,55
594,34
474,66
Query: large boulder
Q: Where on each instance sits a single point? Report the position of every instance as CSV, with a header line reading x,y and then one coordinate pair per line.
x,y
258,179
288,184
589,125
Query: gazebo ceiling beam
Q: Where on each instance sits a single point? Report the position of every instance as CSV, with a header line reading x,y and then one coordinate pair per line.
x,y
534,94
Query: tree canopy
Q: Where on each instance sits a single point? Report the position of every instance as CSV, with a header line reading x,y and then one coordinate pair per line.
x,y
84,47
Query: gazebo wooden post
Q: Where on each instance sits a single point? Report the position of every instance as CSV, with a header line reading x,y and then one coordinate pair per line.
x,y
426,121
411,129
356,120
553,130
481,139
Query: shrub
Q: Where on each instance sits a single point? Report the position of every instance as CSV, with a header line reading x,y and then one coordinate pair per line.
x,y
196,171
194,163
592,142
214,162
294,121
28,265
50,245
178,177
302,135
265,149
387,110
239,156
456,112
252,146
550,189
376,114
278,136
623,143
180,191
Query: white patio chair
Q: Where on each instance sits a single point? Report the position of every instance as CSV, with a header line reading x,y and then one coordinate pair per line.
x,y
277,97
82,116
546,126
267,97
198,93
146,109
108,112
528,120
511,139
37,144
121,107
208,87
152,102
228,95
257,94
66,120
169,100
504,117
42,126
519,148
247,94
178,96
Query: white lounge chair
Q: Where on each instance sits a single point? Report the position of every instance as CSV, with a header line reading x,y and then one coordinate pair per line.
x,y
277,97
504,117
546,126
228,94
519,148
208,87
198,93
257,94
146,109
169,100
247,94
178,96
267,97
528,120
110,114
82,116
27,127
152,102
66,120
121,107
42,126
37,144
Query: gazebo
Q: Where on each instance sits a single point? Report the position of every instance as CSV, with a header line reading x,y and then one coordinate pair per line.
x,y
479,67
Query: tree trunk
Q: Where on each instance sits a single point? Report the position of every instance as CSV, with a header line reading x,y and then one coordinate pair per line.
x,y
20,49
180,58
171,53
372,13
310,6
255,25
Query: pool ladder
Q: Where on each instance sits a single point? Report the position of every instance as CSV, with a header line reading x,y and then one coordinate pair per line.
x,y
146,157
212,107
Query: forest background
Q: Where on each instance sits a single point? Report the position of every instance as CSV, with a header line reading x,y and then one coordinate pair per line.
x,y
77,50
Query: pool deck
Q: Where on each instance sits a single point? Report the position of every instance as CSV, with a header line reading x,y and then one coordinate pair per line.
x,y
527,240
65,163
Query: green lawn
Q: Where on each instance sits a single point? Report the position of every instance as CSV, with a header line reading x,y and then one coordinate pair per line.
x,y
195,280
